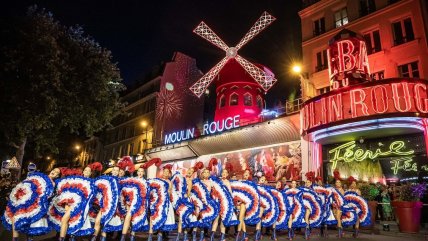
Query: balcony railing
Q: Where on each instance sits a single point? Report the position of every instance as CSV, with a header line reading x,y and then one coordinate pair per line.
x,y
294,106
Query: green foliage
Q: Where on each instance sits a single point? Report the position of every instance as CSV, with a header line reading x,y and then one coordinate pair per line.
x,y
369,191
53,78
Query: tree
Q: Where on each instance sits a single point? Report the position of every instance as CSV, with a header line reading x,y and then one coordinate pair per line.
x,y
53,78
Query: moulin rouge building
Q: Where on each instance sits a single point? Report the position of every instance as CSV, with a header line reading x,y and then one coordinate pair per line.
x,y
365,88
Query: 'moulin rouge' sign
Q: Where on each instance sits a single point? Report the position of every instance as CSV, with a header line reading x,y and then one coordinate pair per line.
x,y
354,96
370,100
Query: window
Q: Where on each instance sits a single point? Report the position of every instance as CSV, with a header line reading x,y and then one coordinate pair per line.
x,y
234,87
319,26
139,147
131,149
248,99
373,42
366,7
409,70
247,87
222,101
322,63
378,75
324,90
341,17
403,31
259,102
233,99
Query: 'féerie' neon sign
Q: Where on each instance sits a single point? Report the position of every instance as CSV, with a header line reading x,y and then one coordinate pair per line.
x,y
346,152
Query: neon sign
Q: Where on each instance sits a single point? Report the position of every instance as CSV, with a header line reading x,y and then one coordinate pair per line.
x,y
369,100
208,128
347,59
219,126
404,164
347,152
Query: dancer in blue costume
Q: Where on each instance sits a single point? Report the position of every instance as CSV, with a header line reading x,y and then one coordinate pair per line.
x,y
222,193
69,208
361,207
296,210
191,175
312,204
105,202
27,205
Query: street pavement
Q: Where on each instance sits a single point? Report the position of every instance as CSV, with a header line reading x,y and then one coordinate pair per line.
x,y
364,235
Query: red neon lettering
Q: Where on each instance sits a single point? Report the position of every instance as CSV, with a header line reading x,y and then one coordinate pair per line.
x,y
346,59
323,111
397,98
305,117
421,103
332,69
313,115
335,112
360,101
383,99
363,63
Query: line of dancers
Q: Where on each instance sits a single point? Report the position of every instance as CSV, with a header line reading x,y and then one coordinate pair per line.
x,y
78,202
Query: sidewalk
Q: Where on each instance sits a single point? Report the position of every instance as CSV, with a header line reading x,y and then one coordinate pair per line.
x,y
382,229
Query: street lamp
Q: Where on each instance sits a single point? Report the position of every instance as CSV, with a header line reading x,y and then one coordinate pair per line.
x,y
297,70
144,124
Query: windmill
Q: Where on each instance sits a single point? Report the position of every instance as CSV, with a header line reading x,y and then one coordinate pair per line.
x,y
236,75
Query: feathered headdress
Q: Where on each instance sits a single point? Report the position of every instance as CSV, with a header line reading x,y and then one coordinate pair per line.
x,y
212,163
96,166
229,167
155,161
318,178
310,176
71,172
167,166
351,179
336,174
198,166
126,164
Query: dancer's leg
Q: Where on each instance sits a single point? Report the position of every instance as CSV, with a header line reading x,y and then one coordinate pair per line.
x,y
64,222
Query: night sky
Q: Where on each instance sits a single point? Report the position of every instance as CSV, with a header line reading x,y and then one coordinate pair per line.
x,y
142,34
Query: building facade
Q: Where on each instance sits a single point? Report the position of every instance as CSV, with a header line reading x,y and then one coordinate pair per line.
x,y
148,109
395,33
365,87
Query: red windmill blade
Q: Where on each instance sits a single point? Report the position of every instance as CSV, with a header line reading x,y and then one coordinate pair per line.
x,y
264,79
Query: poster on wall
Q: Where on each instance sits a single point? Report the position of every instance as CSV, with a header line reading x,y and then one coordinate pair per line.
x,y
275,162
396,158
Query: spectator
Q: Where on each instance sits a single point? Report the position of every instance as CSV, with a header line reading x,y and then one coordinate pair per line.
x,y
386,206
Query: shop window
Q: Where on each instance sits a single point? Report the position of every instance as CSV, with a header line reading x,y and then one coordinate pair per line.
x,y
322,63
410,70
248,99
367,7
377,75
259,102
233,99
341,17
324,90
403,31
319,26
373,42
222,101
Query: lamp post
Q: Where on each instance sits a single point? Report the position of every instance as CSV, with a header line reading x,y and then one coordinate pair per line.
x,y
297,69
144,124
